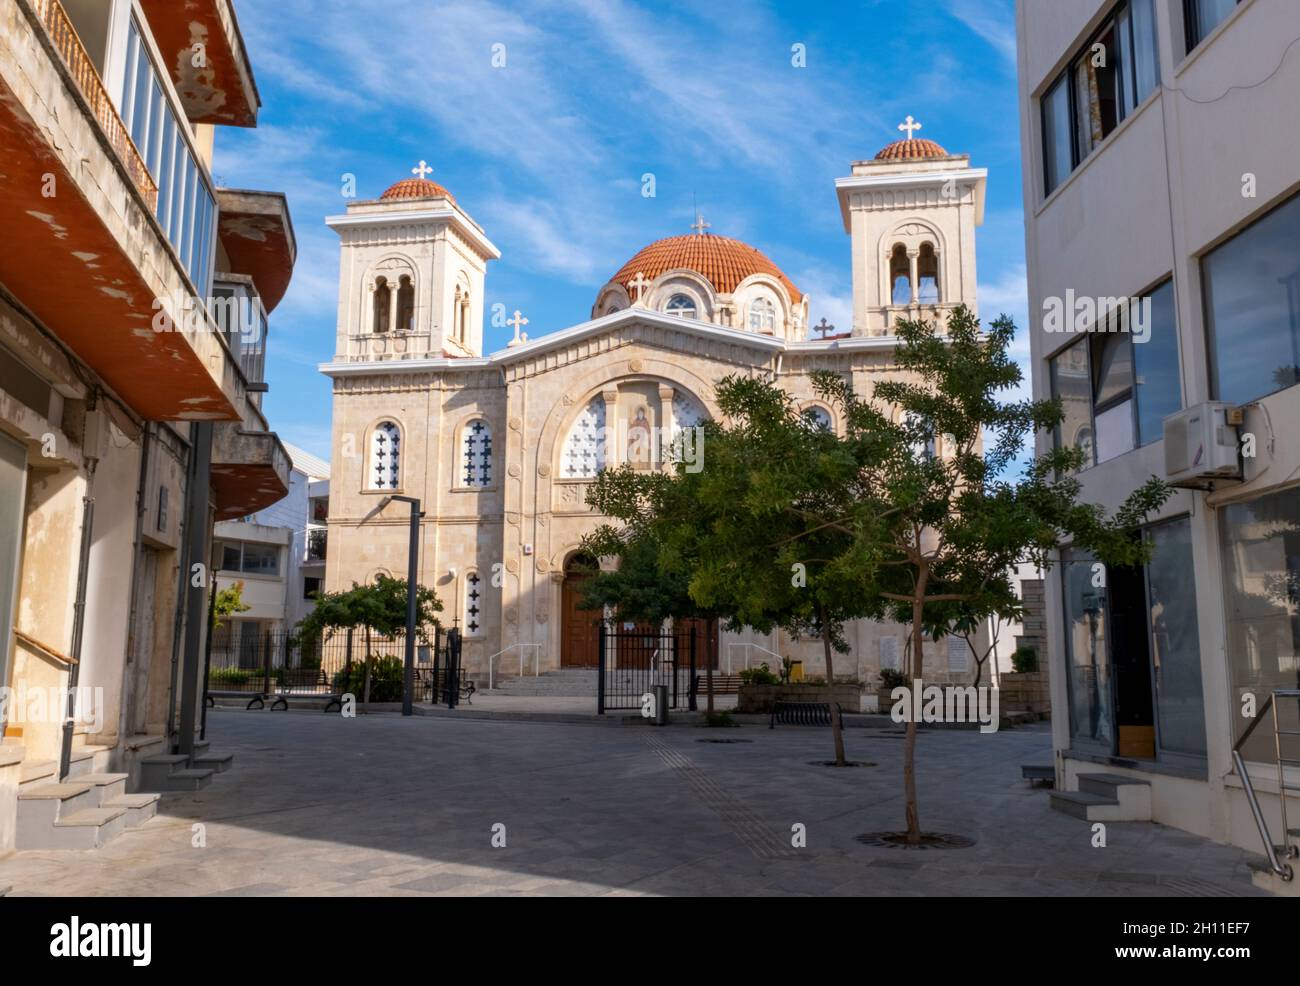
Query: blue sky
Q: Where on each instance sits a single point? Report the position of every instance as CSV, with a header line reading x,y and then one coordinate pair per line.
x,y
547,153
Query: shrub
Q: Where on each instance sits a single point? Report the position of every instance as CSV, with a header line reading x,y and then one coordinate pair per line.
x,y
385,679
892,678
229,676
1025,659
722,719
761,675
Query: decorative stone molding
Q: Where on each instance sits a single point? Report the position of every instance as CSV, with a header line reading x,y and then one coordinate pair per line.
x,y
512,566
513,470
515,423
635,365
544,469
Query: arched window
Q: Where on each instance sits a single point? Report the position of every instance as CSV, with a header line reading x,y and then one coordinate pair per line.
x,y
927,275
473,605
900,277
385,456
762,315
405,304
682,305
819,418
383,304
476,454
583,454
921,430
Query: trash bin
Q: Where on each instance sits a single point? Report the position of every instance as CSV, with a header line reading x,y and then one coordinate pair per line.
x,y
661,705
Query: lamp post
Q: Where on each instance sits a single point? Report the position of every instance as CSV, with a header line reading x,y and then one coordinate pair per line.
x,y
412,575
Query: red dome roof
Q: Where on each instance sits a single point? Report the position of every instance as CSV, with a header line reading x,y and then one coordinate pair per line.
x,y
417,188
911,149
722,261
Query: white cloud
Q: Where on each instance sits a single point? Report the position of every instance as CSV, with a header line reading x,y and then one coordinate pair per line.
x,y
992,20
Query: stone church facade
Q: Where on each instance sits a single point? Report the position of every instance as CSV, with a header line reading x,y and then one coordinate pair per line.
x,y
500,447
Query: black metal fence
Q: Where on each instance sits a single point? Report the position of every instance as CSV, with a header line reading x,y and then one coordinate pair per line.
x,y
632,661
244,658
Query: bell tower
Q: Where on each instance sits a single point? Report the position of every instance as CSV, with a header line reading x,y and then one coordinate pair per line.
x,y
411,275
911,214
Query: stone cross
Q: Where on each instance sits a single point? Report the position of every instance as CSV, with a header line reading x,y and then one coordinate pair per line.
x,y
517,321
824,327
699,225
640,283
909,125
424,169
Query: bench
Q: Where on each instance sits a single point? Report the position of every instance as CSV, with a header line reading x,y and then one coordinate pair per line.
x,y
723,684
801,714
255,699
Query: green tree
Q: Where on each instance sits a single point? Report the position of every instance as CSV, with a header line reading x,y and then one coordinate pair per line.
x,y
377,607
934,527
227,602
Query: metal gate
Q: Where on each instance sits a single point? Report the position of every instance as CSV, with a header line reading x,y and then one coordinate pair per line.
x,y
632,660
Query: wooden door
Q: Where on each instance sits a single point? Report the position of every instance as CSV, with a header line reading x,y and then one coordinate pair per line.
x,y
579,634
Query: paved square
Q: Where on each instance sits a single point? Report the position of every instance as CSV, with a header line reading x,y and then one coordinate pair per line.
x,y
321,805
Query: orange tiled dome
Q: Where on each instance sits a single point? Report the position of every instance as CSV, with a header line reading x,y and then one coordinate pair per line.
x,y
416,188
722,261
911,149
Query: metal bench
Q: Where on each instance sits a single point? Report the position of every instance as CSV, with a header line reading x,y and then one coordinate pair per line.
x,y
255,699
801,714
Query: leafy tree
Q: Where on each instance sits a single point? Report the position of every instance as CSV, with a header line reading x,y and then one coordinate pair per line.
x,y
934,527
227,602
378,607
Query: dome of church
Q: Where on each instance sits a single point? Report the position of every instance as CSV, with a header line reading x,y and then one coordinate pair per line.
x,y
911,149
720,260
416,188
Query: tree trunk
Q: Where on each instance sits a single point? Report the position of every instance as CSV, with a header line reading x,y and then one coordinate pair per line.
x,y
837,731
909,740
708,678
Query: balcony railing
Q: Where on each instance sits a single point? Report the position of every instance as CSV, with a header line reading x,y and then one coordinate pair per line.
x,y
65,40
316,544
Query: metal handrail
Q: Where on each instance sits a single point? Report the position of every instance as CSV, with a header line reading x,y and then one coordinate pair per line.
x,y
537,653
745,643
1289,849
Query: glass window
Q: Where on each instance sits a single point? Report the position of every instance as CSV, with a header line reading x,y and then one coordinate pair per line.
x,y
1175,638
1108,78
1091,717
1155,366
1252,307
682,305
1112,366
229,557
1203,16
1058,154
1261,579
762,315
476,454
1070,386
261,559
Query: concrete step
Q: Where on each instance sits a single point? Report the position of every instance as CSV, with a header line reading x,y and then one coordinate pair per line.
x,y
86,829
218,763
41,805
107,786
189,779
1262,876
37,771
139,808
1106,798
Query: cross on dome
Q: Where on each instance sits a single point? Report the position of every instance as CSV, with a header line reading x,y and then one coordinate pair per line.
x,y
517,322
908,125
640,283
699,226
423,171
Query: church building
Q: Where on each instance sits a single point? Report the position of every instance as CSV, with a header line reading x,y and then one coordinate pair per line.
x,y
500,447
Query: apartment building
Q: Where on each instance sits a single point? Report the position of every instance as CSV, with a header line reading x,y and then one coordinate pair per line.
x,y
133,301
1159,165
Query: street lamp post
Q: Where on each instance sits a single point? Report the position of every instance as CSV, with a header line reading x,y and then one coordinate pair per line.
x,y
412,576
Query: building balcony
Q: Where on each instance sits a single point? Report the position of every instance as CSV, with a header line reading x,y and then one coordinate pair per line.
x,y
250,470
96,245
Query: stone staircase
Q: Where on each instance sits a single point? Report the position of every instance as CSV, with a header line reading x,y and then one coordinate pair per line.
x,y
177,772
1106,798
82,812
570,682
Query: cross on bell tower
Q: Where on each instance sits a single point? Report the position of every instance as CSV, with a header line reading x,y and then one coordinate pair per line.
x,y
907,125
423,171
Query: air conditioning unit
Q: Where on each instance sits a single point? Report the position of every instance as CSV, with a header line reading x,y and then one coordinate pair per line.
x,y
1201,444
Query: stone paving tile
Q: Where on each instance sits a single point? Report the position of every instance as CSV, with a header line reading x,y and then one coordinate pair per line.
x,y
381,805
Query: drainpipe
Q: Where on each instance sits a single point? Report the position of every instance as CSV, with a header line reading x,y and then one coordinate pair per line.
x,y
182,580
79,604
129,701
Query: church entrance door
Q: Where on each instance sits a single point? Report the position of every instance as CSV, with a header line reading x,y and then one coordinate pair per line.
x,y
579,628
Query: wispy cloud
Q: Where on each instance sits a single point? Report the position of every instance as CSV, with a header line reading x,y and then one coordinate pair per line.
x,y
992,20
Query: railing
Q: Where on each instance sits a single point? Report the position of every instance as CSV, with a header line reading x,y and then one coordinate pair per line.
x,y
317,541
65,40
537,653
736,643
1288,847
